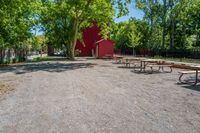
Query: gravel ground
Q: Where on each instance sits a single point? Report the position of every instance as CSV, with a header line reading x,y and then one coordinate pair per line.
x,y
91,95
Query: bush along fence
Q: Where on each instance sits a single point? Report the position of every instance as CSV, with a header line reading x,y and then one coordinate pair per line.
x,y
131,51
184,53
12,56
171,53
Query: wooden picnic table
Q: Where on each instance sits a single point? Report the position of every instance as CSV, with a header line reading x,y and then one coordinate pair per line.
x,y
129,60
145,62
118,58
133,58
197,69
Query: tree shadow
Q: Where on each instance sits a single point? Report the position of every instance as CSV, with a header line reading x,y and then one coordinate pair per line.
x,y
148,72
192,87
45,66
188,83
125,67
90,58
54,58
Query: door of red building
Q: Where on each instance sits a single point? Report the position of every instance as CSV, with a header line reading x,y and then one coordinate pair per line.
x,y
97,50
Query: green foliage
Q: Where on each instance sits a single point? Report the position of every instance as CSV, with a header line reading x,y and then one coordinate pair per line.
x,y
14,21
167,24
15,26
63,21
38,43
130,34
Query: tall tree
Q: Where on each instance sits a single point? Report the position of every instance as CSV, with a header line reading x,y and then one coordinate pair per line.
x,y
164,22
64,20
15,24
131,34
172,22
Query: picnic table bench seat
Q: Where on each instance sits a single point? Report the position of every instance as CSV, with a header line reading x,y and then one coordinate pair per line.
x,y
128,63
118,59
160,66
185,73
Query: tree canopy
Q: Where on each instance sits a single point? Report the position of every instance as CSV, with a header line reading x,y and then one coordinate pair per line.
x,y
63,20
167,24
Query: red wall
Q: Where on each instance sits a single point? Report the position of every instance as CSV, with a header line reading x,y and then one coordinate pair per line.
x,y
105,48
90,36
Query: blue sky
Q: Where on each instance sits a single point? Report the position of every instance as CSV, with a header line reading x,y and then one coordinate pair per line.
x,y
133,12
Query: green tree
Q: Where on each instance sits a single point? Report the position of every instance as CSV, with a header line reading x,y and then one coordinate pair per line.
x,y
171,22
15,25
63,20
39,43
131,34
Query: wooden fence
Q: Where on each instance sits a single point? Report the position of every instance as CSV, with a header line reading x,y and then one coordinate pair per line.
x,y
12,56
184,53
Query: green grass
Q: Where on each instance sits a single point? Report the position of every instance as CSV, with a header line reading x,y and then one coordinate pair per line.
x,y
49,58
187,60
54,58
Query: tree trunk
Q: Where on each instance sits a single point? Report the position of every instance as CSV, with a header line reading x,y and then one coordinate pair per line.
x,y
41,53
9,55
164,23
1,56
172,33
4,54
72,45
198,40
172,26
151,23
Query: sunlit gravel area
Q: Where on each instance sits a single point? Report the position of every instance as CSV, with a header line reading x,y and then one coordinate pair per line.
x,y
95,96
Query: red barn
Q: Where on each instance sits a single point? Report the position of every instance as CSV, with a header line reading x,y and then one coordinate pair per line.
x,y
93,44
104,48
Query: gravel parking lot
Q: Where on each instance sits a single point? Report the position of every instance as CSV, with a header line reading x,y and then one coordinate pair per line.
x,y
90,96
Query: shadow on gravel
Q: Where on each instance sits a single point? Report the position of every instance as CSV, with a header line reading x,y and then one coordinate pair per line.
x,y
125,67
48,67
191,87
147,72
49,59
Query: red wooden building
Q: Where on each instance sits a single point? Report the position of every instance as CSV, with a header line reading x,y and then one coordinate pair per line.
x,y
94,45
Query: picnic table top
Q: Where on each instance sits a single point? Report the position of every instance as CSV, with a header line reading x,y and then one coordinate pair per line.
x,y
152,60
143,59
195,67
129,58
118,56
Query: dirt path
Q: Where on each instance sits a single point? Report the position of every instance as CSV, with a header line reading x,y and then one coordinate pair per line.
x,y
96,96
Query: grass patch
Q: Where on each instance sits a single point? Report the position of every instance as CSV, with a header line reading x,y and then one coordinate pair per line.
x,y
49,58
5,87
197,61
4,65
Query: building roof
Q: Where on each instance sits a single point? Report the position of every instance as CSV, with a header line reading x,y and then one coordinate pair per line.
x,y
99,41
